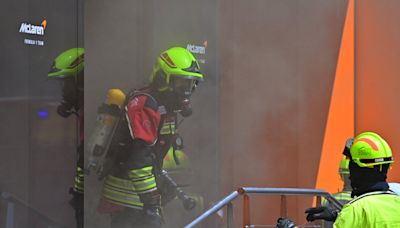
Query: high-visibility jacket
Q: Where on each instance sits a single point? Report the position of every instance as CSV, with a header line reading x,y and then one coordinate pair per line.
x,y
377,209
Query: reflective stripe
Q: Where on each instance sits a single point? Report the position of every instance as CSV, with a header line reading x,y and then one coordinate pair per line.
x,y
141,173
143,179
145,185
123,198
119,183
168,128
133,187
121,191
79,180
344,196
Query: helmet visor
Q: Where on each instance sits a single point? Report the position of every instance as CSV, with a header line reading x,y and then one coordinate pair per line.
x,y
183,86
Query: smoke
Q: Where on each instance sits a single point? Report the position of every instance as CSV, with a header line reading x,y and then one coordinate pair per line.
x,y
259,117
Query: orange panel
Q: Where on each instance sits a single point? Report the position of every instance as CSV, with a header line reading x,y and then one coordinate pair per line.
x,y
340,122
377,73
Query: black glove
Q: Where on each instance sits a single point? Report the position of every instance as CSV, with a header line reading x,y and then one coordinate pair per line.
x,y
151,204
325,213
285,223
152,216
64,110
186,108
189,203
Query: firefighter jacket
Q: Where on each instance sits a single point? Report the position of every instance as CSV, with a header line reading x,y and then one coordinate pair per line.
x,y
142,138
343,197
378,209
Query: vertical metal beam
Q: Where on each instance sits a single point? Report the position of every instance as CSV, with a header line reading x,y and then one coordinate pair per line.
x,y
246,211
318,201
229,212
283,206
10,215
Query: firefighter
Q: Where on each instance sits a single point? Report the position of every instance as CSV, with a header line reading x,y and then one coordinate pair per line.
x,y
374,205
68,68
147,129
343,196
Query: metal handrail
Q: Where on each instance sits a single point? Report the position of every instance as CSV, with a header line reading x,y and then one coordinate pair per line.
x,y
11,199
246,191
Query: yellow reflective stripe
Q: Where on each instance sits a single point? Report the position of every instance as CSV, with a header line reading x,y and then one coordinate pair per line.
x,y
342,196
79,180
168,128
145,185
78,187
119,183
167,132
123,198
143,179
169,124
129,191
141,173
79,170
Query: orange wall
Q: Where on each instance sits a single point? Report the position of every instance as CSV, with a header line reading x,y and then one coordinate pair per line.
x,y
378,72
294,86
277,66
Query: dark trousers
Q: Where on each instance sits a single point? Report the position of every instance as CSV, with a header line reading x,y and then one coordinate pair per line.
x,y
77,204
134,218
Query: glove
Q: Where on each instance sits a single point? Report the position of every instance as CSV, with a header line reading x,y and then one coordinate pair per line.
x,y
63,110
152,211
186,108
152,217
325,213
189,203
285,223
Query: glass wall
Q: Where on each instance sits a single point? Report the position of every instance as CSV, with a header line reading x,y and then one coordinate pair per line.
x,y
37,146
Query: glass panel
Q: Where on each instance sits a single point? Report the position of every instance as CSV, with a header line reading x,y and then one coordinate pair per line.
x,y
38,147
123,41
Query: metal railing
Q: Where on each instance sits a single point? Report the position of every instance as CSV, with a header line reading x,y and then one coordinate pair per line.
x,y
246,191
12,200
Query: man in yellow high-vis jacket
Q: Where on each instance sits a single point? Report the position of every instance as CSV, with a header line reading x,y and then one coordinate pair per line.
x,y
374,205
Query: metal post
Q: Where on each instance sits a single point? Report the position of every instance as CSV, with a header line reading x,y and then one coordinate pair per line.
x,y
318,201
213,209
283,206
246,211
229,212
10,215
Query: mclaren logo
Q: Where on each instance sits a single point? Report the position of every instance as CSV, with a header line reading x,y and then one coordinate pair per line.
x,y
196,49
33,29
